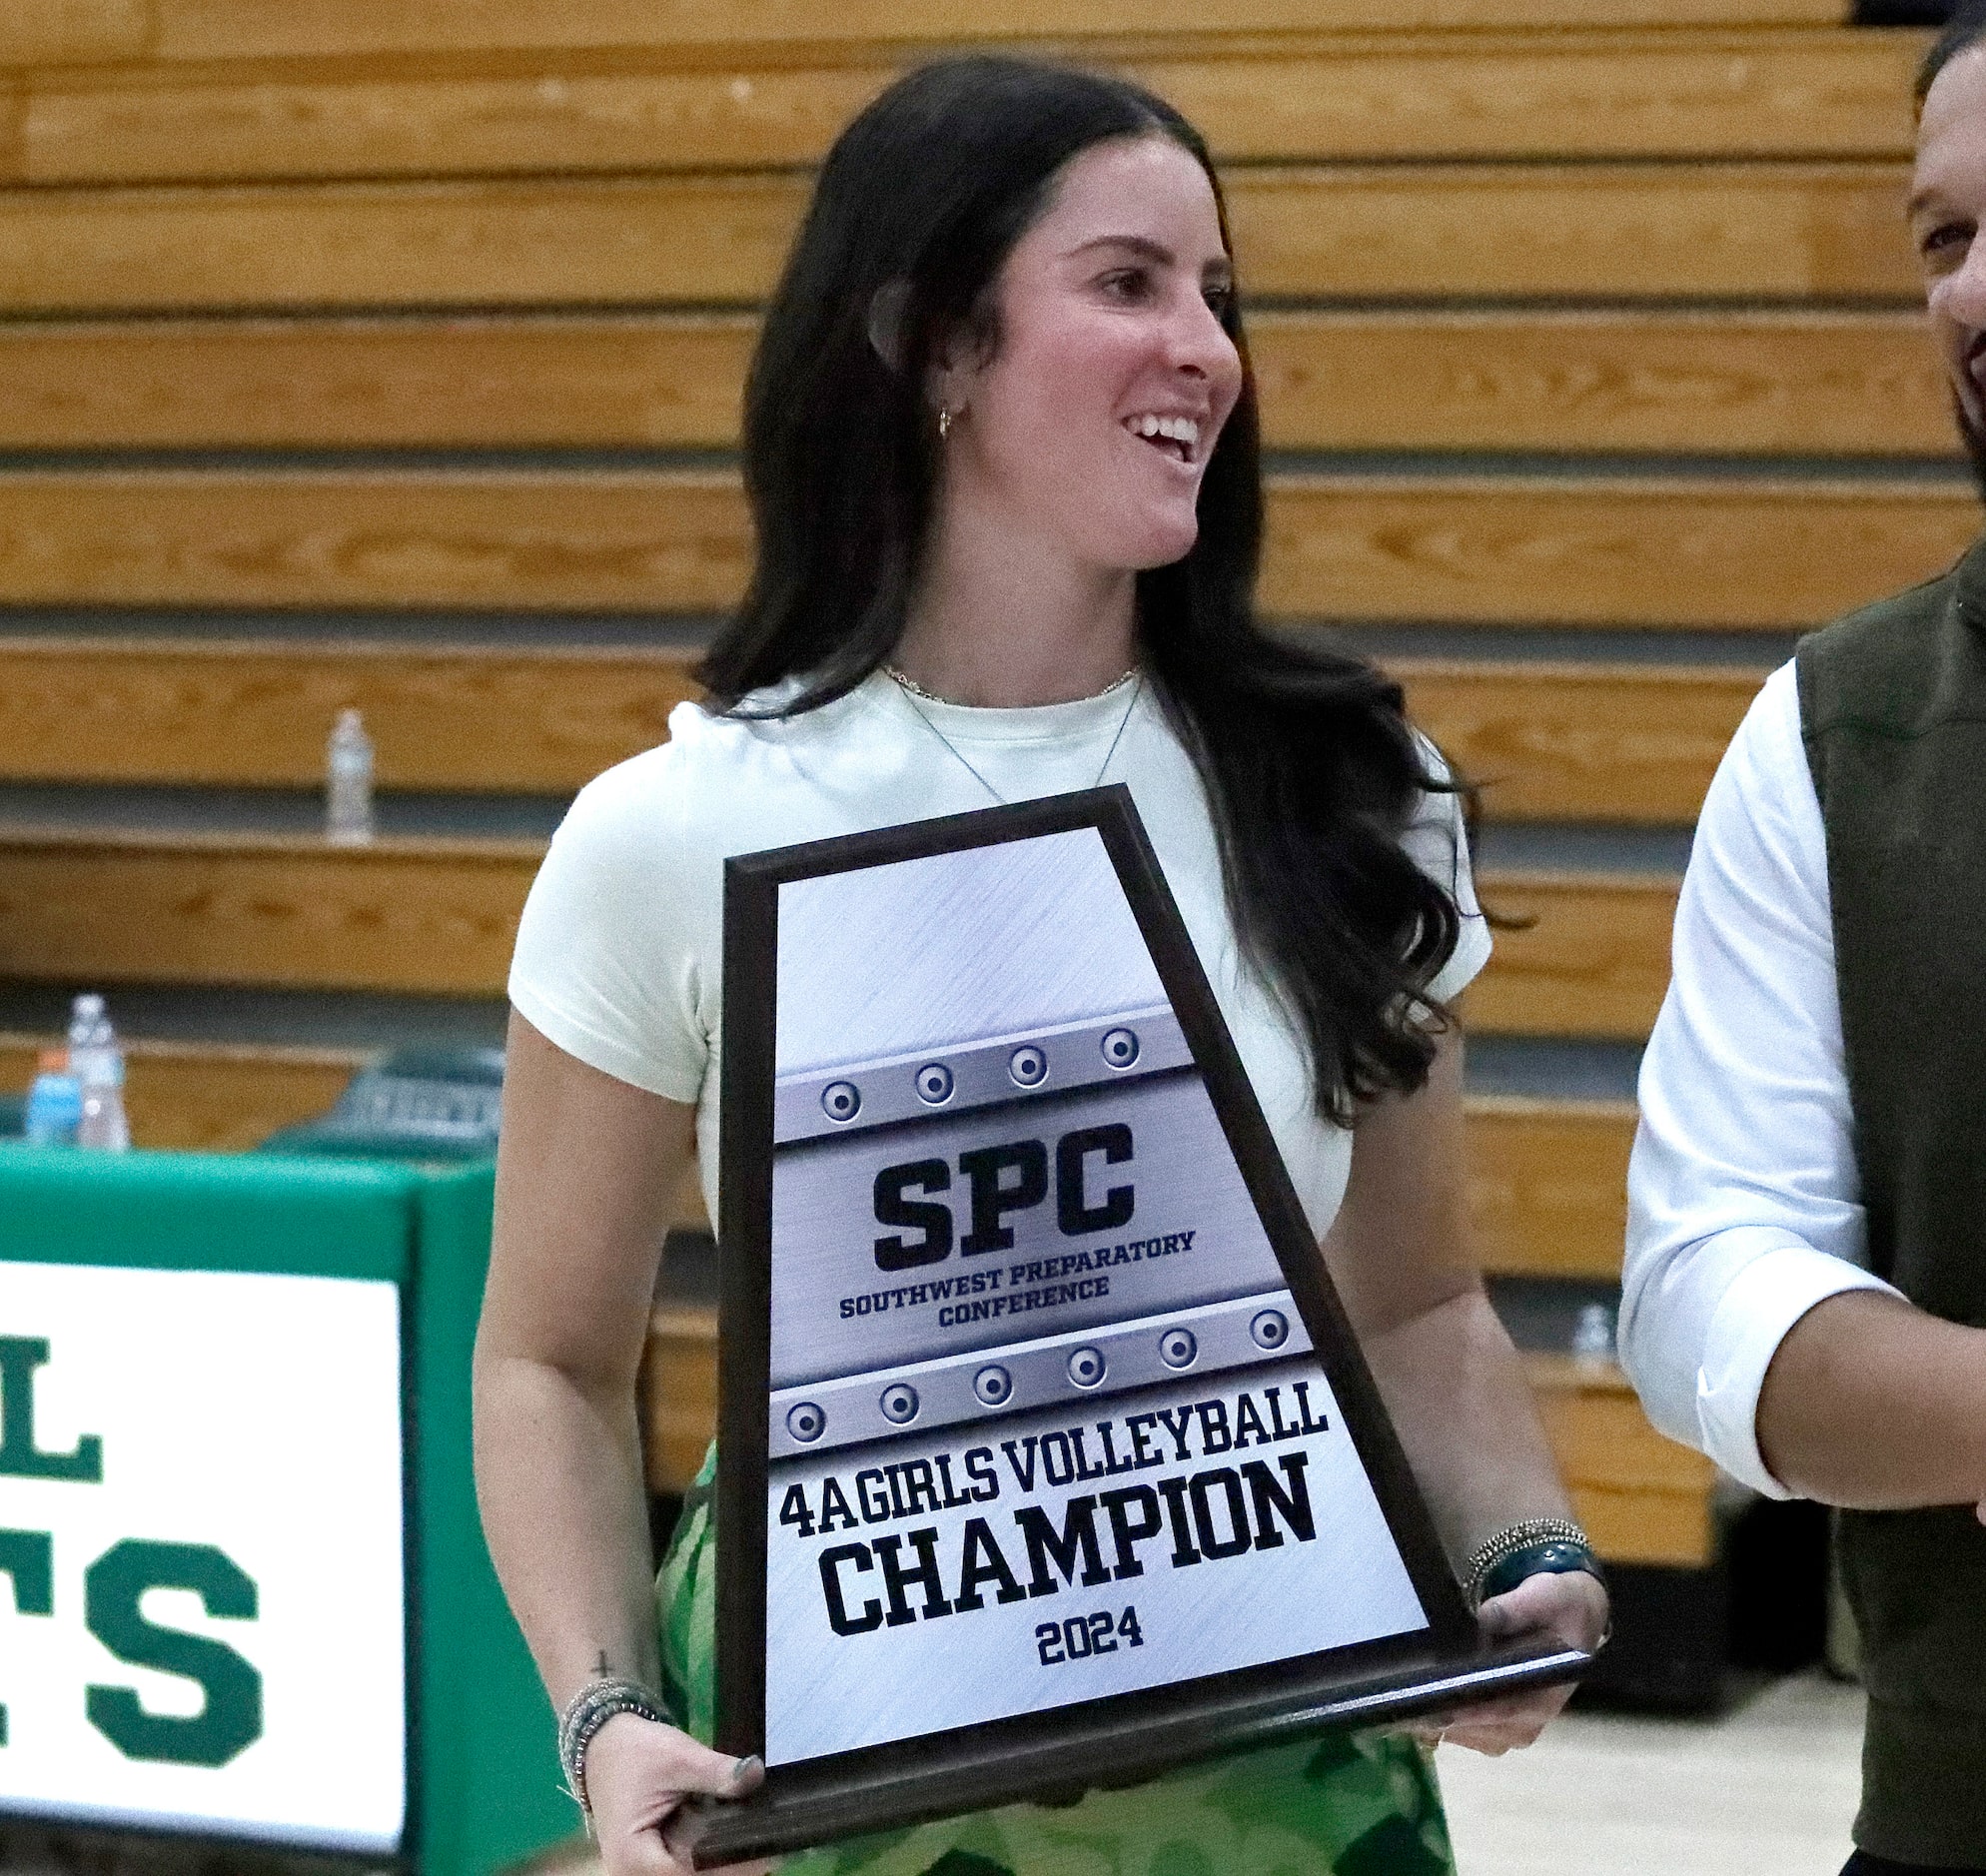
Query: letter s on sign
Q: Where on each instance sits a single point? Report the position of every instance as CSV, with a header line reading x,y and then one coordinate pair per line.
x,y
231,1719
927,1214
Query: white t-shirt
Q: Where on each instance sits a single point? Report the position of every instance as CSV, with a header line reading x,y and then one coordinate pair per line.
x,y
619,954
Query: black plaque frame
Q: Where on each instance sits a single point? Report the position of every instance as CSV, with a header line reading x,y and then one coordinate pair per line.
x,y
1120,1739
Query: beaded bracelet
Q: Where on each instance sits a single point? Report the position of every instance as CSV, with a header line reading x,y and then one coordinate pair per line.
x,y
586,1714
1536,1546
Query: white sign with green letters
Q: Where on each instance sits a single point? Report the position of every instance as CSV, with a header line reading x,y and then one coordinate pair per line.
x,y
201,1552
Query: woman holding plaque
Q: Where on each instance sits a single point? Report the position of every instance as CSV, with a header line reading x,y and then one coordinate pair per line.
x,y
1001,451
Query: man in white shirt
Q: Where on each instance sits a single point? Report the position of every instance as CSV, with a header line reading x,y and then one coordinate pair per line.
x,y
1805,1282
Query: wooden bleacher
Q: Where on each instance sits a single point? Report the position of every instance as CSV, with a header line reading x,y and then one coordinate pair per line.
x,y
1386,230
436,916
1561,741
1612,551
209,1097
389,356
1798,381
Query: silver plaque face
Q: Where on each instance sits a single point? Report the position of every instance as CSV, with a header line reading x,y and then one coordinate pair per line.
x,y
1044,1425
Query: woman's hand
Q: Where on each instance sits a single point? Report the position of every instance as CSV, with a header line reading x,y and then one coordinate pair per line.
x,y
1570,1605
638,1775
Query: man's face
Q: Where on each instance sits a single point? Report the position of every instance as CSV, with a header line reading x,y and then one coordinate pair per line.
x,y
1947,208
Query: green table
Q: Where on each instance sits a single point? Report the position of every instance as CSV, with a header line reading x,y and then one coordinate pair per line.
x,y
250,1592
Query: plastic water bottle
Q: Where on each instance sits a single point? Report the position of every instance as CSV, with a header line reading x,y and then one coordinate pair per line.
x,y
1592,1337
54,1103
97,1063
348,804
85,1013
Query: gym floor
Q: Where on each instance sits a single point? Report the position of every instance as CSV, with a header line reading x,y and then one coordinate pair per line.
x,y
1769,1789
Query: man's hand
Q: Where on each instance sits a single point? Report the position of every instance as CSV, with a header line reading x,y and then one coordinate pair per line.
x,y
638,1777
1570,1605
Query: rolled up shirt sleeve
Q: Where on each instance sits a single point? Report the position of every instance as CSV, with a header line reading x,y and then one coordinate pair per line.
x,y
1744,1205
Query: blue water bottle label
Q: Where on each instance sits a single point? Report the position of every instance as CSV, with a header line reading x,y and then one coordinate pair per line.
x,y
55,1109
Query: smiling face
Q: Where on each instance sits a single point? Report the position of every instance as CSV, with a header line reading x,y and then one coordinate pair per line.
x,y
1947,208
1087,431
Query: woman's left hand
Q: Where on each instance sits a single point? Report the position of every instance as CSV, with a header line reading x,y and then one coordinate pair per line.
x,y
1568,1604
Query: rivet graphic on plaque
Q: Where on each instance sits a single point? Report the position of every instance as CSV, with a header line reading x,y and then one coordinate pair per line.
x,y
993,1385
1120,1047
1028,1066
934,1084
1177,1346
1086,1366
1271,1328
899,1403
806,1421
841,1100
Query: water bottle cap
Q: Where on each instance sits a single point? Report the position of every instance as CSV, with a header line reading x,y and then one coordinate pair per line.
x,y
1592,1333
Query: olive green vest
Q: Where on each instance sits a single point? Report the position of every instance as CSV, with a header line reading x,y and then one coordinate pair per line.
x,y
1893,711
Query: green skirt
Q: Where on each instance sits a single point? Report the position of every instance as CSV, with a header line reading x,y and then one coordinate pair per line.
x,y
1340,1804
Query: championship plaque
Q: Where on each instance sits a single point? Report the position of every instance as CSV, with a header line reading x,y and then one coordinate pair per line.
x,y
1048,1458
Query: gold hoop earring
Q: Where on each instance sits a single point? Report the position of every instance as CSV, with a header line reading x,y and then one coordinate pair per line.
x,y
944,421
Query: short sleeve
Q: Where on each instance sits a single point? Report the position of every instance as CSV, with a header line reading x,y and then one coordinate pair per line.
x,y
605,964
1438,842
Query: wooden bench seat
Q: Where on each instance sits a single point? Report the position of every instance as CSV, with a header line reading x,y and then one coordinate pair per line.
x,y
1736,555
232,29
1752,232
429,916
1642,1498
1547,1185
439,916
1631,743
1753,92
1859,383
223,712
1593,961
204,1097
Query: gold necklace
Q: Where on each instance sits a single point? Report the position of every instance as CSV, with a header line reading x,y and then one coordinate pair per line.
x,y
931,697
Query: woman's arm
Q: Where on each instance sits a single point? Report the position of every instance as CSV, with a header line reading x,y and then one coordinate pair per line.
x,y
1400,1255
585,1178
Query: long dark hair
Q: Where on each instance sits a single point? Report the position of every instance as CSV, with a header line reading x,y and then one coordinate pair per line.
x,y
1964,30
1310,769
